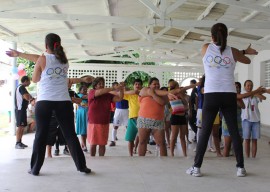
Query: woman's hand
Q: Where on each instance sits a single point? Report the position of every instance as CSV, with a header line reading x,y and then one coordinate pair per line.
x,y
250,51
12,53
172,96
88,79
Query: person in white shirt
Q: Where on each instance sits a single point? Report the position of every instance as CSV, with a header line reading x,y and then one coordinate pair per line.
x,y
251,119
219,62
51,74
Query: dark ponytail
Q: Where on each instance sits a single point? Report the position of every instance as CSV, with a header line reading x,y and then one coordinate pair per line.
x,y
219,33
53,41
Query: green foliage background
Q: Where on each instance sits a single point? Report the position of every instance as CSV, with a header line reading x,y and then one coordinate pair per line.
x,y
137,75
29,69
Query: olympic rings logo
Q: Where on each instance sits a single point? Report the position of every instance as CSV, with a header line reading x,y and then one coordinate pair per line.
x,y
219,60
57,72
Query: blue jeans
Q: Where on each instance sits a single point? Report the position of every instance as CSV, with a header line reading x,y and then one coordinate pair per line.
x,y
251,130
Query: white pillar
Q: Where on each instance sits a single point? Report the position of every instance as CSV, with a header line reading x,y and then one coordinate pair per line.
x,y
13,88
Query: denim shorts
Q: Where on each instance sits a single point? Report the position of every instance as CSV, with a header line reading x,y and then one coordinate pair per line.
x,y
251,130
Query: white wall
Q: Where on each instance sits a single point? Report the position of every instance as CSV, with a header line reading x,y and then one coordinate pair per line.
x,y
253,72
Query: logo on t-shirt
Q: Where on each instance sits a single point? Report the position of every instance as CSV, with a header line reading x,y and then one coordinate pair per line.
x,y
218,61
57,72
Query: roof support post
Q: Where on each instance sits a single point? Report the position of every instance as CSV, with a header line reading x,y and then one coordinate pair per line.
x,y
13,88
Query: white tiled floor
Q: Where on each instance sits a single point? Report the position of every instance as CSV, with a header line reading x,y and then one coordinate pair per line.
x,y
118,172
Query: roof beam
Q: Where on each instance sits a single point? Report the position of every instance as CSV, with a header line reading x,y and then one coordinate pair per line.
x,y
250,16
151,7
193,62
66,23
141,32
134,44
80,29
201,16
243,5
174,6
11,6
132,21
7,31
161,32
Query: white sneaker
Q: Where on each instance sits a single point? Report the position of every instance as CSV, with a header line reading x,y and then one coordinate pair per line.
x,y
211,150
241,172
194,171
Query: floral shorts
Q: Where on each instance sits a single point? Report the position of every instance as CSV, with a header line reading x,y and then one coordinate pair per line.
x,y
149,123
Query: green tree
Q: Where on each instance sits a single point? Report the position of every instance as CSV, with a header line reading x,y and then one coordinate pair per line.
x,y
29,66
137,75
29,69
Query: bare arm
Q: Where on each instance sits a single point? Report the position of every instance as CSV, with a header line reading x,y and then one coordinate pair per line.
x,y
15,53
241,104
120,95
204,48
240,55
184,101
103,91
27,96
86,79
76,100
131,92
260,96
39,66
267,91
259,90
84,97
162,100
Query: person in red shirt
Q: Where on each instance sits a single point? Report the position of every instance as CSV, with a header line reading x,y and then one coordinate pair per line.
x,y
99,105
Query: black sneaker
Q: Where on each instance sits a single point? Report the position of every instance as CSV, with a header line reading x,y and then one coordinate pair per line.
x,y
19,146
66,152
24,145
56,152
85,149
31,173
112,144
152,143
85,170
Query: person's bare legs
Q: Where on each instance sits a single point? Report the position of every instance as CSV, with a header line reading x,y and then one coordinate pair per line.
x,y
143,139
183,129
19,133
93,149
49,151
227,146
130,148
167,132
83,142
159,136
215,133
247,147
174,133
31,127
187,134
254,148
101,150
136,144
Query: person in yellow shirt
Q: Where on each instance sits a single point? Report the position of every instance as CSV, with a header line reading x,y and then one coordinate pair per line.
x,y
133,101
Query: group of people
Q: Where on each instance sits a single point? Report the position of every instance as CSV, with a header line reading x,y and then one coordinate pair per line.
x,y
149,107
